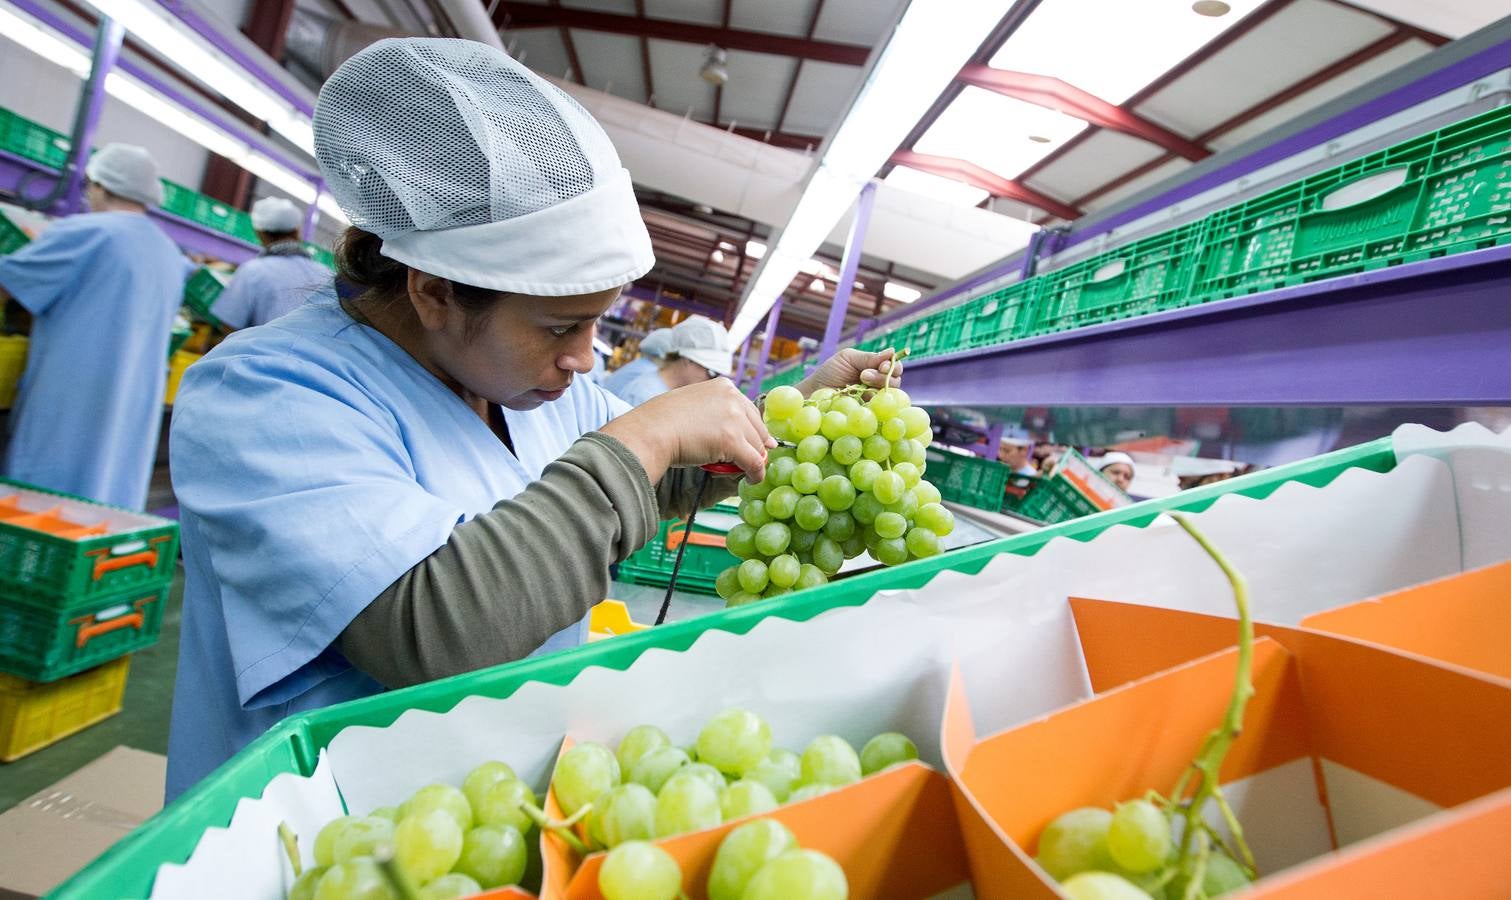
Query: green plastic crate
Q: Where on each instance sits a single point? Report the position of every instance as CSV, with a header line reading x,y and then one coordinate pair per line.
x,y
202,290
28,140
968,480
66,573
701,565
1145,276
207,211
1441,193
1004,315
1055,500
321,255
12,238
43,643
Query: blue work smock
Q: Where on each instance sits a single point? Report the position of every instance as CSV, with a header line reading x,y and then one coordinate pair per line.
x,y
315,462
266,287
620,378
643,388
102,289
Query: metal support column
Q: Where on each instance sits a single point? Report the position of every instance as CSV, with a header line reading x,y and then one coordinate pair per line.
x,y
67,196
772,318
740,366
847,270
312,214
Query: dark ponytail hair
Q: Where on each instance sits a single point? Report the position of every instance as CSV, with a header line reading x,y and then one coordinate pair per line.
x,y
379,280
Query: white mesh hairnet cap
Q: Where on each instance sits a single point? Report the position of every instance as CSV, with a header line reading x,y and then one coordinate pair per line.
x,y
703,341
1113,458
127,171
276,214
471,167
656,343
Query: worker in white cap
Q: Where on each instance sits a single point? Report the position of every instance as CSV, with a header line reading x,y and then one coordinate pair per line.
x,y
414,482
102,289
652,348
698,351
1117,467
279,279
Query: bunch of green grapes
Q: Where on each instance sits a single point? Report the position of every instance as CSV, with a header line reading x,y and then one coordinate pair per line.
x,y
848,481
760,860
650,788
443,841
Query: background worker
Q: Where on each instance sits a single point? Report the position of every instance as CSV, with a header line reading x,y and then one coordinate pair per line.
x,y
652,348
698,350
279,279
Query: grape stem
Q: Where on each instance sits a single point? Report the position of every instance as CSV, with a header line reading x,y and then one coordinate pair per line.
x,y
897,357
290,842
1208,763
562,829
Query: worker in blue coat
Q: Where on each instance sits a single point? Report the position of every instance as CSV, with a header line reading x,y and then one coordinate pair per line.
x,y
278,280
652,349
102,289
697,351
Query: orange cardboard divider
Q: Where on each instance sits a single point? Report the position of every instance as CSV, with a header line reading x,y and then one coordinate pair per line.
x,y
505,893
894,834
1464,620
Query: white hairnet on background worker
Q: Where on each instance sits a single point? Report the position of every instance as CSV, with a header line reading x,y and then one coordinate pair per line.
x,y
278,280
424,453
652,347
699,350
102,289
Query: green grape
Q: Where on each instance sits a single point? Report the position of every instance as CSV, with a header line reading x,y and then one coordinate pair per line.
x,y
1076,842
710,775
888,487
891,551
909,472
753,512
894,429
586,771
726,586
846,449
917,420
923,441
753,577
876,448
451,887
776,453
925,492
886,749
779,429
779,469
812,449
806,422
361,837
861,422
655,768
802,539
906,505
807,478
360,879
828,556
503,804
869,535
902,398
741,541
841,526
1139,836
307,883
845,404
828,468
748,491
643,739
742,853
779,772
810,577
799,875
919,457
496,855
325,840
775,590
439,796
854,545
784,570
636,870
625,813
1223,876
935,518
885,405
835,425
836,492
734,741
426,845
829,759
808,792
890,525
772,538
923,543
902,451
746,797
866,508
863,474
811,513
480,779
1101,886
740,599
686,803
782,501
391,813
783,402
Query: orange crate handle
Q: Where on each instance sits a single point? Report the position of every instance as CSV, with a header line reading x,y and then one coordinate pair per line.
x,y
675,537
104,563
90,629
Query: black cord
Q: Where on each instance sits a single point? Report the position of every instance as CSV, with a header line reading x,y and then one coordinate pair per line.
x,y
687,536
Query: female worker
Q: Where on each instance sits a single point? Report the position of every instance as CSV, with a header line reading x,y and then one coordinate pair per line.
x,y
652,349
412,483
697,351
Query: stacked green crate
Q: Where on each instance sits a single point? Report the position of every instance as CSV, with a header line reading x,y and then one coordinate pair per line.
x,y
1145,276
202,290
207,211
968,480
705,558
24,138
12,237
321,255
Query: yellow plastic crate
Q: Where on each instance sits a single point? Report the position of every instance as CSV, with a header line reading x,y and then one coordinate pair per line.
x,y
180,362
610,618
34,715
12,364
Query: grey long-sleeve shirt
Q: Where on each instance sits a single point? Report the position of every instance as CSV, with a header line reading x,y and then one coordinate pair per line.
x,y
507,580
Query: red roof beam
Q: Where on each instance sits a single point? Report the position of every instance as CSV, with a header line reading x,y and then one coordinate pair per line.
x,y
977,176
1052,93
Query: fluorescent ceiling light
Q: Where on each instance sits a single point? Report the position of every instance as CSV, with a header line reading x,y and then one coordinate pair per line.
x,y
165,34
1057,41
922,55
43,42
999,133
947,189
816,285
755,249
900,292
717,256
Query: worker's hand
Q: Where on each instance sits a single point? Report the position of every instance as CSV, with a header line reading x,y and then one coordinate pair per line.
x,y
851,366
702,423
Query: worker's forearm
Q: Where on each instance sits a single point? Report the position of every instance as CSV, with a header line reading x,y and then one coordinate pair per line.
x,y
509,579
679,488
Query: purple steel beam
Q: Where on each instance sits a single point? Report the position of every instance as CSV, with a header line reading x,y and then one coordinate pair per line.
x,y
1430,333
312,213
740,366
772,319
847,269
107,50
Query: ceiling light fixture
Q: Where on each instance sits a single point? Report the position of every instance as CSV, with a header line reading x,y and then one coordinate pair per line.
x,y
816,285
717,256
1212,9
714,71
